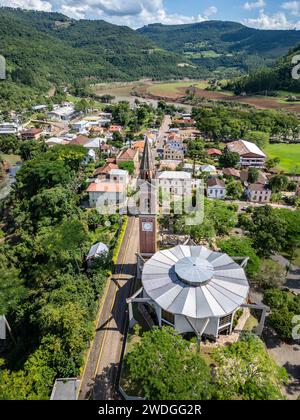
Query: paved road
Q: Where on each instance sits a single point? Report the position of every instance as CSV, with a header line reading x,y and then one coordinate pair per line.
x,y
99,378
167,121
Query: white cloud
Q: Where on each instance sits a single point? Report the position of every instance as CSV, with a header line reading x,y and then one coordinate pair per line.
x,y
133,13
259,4
275,21
291,6
45,6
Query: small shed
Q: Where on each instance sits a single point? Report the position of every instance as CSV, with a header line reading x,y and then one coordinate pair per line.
x,y
98,250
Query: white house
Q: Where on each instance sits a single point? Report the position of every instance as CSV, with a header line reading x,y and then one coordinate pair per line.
x,y
250,154
118,175
258,193
216,188
176,182
9,129
106,193
80,125
208,169
63,113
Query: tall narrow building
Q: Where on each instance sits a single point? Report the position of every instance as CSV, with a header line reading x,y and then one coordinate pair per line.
x,y
147,213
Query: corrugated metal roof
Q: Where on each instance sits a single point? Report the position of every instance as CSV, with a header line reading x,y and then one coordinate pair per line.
x,y
195,282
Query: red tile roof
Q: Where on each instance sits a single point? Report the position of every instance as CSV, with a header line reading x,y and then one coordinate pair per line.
x,y
104,187
105,169
80,140
214,152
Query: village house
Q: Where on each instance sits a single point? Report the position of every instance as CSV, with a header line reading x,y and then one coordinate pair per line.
x,y
9,129
208,169
250,154
32,134
102,172
128,155
258,193
176,182
80,125
214,153
234,173
261,179
172,153
216,188
62,113
106,193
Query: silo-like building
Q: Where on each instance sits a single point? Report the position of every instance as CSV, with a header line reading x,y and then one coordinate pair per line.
x,y
194,289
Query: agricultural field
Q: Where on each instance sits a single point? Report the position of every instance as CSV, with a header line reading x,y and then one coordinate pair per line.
x,y
289,155
174,89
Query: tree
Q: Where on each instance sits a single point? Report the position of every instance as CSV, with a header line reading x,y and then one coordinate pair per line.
x,y
272,163
267,230
242,247
245,371
163,367
279,183
234,189
229,159
260,138
127,166
253,174
271,274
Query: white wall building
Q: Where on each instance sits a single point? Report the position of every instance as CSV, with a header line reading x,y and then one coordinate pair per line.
x,y
216,188
250,154
176,182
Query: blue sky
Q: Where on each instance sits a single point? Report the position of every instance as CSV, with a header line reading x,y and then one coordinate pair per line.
x,y
264,14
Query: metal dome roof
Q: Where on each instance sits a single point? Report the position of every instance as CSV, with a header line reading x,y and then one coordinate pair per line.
x,y
195,282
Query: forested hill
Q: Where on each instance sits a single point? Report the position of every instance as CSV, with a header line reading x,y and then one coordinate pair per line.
x,y
43,48
218,44
270,80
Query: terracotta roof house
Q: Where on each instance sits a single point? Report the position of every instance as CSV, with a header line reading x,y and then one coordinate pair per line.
x,y
258,193
31,134
115,128
128,155
214,152
232,172
216,188
80,141
250,154
102,193
139,145
104,170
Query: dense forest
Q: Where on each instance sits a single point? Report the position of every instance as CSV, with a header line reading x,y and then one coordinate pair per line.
x,y
270,80
64,50
48,293
42,49
215,44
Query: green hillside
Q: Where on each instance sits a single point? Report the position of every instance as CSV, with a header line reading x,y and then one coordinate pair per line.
x,y
216,44
270,80
48,48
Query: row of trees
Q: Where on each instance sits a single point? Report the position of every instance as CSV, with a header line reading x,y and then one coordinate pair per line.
x,y
221,123
164,366
48,295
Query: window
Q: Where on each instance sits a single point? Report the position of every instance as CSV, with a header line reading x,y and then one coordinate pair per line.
x,y
168,317
225,320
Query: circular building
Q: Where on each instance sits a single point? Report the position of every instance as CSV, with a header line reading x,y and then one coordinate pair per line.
x,y
194,289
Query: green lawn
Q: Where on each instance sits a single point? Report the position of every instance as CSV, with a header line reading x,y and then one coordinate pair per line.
x,y
289,155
